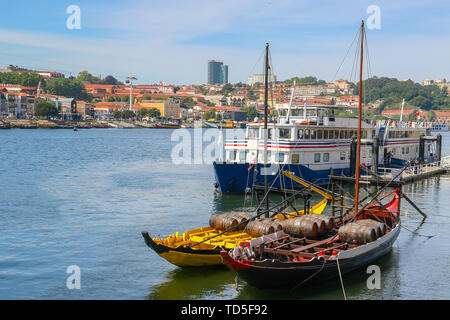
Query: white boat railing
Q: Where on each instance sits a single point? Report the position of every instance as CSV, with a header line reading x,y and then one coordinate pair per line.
x,y
445,162
416,170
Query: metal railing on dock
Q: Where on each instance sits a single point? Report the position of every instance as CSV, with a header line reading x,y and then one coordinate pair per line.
x,y
417,172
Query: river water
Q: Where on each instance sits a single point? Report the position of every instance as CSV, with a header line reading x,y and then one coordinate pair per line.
x,y
82,199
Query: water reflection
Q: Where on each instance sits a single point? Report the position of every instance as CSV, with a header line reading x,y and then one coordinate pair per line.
x,y
194,283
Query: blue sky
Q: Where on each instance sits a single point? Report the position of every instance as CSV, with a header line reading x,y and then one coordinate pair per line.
x,y
172,41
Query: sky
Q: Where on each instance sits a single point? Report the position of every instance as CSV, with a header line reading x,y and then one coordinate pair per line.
x,y
171,41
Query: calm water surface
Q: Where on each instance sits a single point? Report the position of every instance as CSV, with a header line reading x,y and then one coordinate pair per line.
x,y
83,198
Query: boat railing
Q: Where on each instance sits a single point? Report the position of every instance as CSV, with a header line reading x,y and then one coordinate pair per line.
x,y
413,170
402,124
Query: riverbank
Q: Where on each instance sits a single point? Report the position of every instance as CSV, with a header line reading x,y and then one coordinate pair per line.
x,y
59,124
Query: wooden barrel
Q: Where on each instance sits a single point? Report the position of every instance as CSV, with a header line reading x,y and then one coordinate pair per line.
x,y
300,227
357,233
320,222
379,226
242,216
276,223
223,221
259,227
329,221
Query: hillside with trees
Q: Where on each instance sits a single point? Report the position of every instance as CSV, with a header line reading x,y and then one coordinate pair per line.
x,y
389,92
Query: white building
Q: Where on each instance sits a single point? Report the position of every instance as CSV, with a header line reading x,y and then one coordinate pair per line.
x,y
260,78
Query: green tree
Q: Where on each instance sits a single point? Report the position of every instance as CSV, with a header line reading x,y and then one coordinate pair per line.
x,y
226,89
210,114
251,112
45,109
66,87
305,80
117,114
154,113
109,80
128,114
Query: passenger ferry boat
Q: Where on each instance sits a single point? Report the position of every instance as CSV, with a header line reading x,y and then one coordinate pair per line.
x,y
310,142
439,127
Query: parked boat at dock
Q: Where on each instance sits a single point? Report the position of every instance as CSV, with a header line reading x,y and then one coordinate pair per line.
x,y
202,246
312,143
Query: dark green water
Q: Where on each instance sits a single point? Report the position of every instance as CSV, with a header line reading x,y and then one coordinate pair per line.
x,y
82,198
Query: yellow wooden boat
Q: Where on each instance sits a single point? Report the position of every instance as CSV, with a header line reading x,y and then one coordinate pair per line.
x,y
177,249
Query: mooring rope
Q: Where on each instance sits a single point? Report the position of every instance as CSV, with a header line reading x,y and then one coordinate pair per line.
x,y
340,276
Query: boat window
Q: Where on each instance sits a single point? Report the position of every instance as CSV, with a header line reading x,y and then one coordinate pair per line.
x,y
342,134
342,155
319,134
403,150
280,157
284,133
295,112
311,113
253,132
326,157
407,149
336,134
261,156
242,155
325,134
295,158
313,134
270,135
306,133
232,155
316,157
300,134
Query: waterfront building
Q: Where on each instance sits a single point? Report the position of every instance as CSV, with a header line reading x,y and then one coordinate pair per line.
x,y
85,109
169,108
217,72
16,104
442,116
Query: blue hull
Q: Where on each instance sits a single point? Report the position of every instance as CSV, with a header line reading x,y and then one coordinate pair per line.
x,y
236,177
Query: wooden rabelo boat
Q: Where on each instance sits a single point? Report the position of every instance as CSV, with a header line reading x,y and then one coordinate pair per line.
x,y
202,246
283,260
168,125
300,253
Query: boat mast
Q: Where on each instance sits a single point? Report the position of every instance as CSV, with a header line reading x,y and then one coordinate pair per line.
x,y
401,113
358,150
266,90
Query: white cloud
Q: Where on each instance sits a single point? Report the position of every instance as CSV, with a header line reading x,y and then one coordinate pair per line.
x,y
150,39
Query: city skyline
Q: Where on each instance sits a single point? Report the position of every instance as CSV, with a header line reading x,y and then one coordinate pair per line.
x,y
142,38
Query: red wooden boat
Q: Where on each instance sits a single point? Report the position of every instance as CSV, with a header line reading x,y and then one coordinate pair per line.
x,y
282,260
300,253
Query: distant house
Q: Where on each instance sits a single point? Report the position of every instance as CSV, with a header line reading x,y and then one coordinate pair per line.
x,y
442,116
169,108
